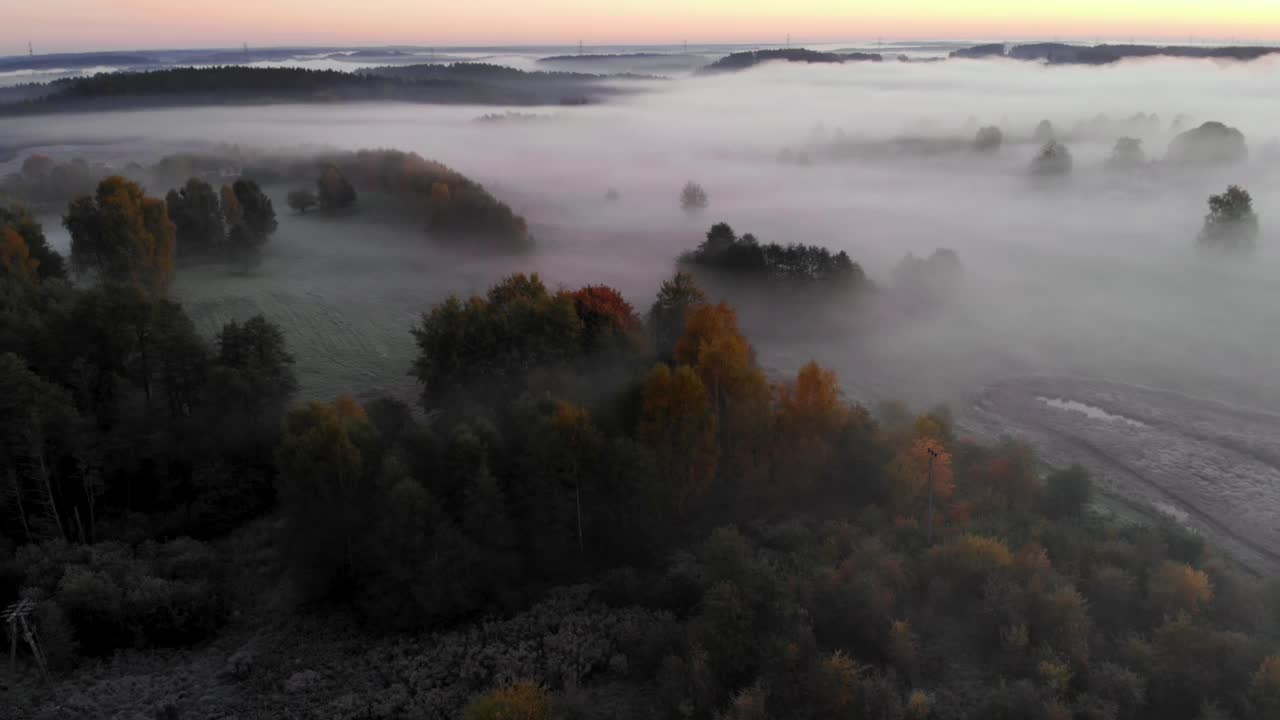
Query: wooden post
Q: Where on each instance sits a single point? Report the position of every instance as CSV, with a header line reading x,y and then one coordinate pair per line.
x,y
929,533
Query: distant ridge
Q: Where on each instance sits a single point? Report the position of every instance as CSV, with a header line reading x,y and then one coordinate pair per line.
x,y
743,60
1064,54
462,83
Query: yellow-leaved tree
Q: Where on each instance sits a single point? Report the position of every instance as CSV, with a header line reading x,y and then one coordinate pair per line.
x,y
809,419
908,479
678,424
716,349
15,256
519,701
122,235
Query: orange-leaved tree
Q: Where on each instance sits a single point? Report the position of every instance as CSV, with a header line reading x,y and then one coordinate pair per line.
x,y
908,479
15,256
716,349
677,422
1177,587
520,701
608,320
122,235
809,419
1008,479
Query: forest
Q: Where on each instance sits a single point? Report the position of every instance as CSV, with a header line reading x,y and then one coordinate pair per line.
x,y
470,83
1075,54
743,60
449,208
746,258
589,511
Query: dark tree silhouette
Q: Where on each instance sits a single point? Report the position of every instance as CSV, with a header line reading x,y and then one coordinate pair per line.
x,y
1231,225
1127,155
1053,159
333,190
693,197
255,221
988,140
197,214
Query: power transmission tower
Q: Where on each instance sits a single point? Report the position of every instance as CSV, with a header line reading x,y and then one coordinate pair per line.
x,y
929,522
579,47
31,51
788,40
16,616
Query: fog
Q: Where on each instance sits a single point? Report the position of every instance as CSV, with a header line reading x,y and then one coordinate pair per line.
x,y
1086,290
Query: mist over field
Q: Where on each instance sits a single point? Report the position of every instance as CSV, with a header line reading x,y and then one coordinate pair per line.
x,y
1094,276
1096,273
1021,460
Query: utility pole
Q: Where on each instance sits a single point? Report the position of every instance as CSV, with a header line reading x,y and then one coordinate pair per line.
x,y
929,523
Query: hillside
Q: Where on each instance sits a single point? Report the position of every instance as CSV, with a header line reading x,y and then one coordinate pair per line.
x,y
238,85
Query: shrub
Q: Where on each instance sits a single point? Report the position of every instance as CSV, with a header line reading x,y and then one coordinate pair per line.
x,y
520,701
111,596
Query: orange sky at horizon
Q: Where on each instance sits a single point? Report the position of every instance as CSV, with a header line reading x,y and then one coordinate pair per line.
x,y
69,25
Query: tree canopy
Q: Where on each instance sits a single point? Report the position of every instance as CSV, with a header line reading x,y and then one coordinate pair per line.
x,y
122,235
1231,224
794,264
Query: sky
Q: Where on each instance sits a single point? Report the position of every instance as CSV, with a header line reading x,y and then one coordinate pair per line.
x,y
80,25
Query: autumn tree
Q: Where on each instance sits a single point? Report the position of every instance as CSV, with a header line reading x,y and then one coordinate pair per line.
x,y
48,263
716,349
1177,587
440,195
608,321
1231,225
122,235
15,256
1007,480
810,417
970,558
520,701
676,298
197,214
1264,688
496,340
678,423
333,191
326,492
908,479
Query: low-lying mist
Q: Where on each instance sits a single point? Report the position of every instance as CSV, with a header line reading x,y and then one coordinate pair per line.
x,y
1095,274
